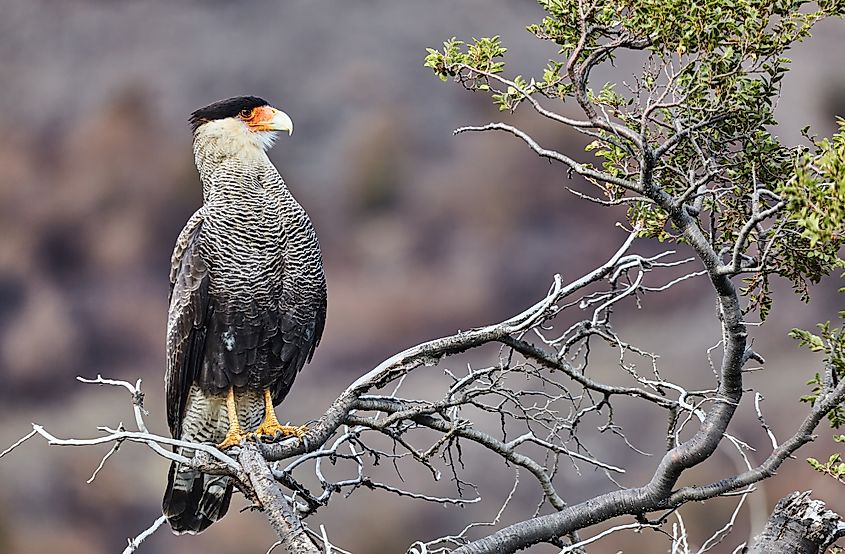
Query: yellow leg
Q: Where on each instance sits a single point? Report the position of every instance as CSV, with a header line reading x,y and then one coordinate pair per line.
x,y
271,427
234,436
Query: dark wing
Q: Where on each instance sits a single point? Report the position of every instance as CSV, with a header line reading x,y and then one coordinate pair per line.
x,y
186,321
300,331
319,323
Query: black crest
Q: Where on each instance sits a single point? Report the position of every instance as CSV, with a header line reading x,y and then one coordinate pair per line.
x,y
224,108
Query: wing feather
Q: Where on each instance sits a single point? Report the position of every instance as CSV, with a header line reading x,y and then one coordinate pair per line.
x,y
296,341
186,322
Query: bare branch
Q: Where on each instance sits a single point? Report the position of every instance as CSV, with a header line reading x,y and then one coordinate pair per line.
x,y
19,442
274,504
144,438
143,535
577,167
134,390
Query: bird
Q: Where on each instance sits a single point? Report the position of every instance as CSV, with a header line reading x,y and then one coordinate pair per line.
x,y
247,302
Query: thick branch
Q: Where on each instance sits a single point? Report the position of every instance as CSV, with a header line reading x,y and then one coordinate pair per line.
x,y
799,525
273,503
768,468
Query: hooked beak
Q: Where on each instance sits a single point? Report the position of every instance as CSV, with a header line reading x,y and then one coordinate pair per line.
x,y
268,118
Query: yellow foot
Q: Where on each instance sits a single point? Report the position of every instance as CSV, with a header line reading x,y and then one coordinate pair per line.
x,y
232,439
273,430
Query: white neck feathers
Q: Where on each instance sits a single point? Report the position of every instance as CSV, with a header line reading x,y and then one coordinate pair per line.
x,y
220,139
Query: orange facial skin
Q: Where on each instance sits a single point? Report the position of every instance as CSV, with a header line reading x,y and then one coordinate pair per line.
x,y
259,118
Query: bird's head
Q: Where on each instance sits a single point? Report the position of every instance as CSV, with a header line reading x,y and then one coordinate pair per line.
x,y
239,123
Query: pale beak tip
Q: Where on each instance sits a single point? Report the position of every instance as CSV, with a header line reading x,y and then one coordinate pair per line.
x,y
282,121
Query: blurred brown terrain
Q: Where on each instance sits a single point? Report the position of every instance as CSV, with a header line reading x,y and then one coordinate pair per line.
x,y
423,233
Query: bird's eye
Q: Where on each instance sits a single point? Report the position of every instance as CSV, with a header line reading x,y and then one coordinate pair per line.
x,y
246,114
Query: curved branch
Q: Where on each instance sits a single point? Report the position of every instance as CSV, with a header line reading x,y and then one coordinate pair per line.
x,y
578,168
802,436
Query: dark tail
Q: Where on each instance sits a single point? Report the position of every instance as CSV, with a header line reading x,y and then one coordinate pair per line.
x,y
193,500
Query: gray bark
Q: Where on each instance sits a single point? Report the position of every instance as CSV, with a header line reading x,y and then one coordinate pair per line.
x,y
276,508
798,525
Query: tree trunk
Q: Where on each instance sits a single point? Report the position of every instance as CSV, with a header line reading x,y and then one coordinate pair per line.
x,y
798,525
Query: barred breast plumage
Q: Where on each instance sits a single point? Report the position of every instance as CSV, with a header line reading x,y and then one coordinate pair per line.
x,y
248,301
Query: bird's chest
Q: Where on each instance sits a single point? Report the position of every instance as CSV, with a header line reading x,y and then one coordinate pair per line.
x,y
244,245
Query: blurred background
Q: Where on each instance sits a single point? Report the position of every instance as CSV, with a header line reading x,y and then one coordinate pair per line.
x,y
423,233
